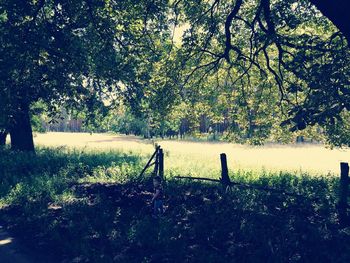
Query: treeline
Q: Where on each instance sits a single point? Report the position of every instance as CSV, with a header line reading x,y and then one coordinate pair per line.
x,y
205,127
184,121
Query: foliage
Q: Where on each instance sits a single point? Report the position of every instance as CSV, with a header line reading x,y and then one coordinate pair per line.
x,y
240,69
73,53
287,46
338,131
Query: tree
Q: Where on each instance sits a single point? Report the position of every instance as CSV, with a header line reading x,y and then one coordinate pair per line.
x,y
80,54
284,44
68,53
289,42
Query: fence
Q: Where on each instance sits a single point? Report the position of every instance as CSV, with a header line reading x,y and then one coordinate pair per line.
x,y
343,193
225,181
158,157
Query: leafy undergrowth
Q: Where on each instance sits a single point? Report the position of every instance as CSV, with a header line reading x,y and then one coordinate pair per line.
x,y
90,207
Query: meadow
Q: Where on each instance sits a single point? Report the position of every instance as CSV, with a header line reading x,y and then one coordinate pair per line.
x,y
202,158
80,199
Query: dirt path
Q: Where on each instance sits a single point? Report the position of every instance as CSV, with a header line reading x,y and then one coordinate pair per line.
x,y
10,250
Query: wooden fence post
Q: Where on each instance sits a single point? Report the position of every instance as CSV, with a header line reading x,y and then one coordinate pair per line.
x,y
343,192
161,163
225,179
156,163
150,160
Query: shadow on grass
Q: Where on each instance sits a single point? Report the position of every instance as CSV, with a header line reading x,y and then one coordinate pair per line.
x,y
97,220
50,170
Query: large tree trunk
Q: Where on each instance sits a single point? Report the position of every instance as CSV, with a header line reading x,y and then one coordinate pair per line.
x,y
21,131
3,135
336,11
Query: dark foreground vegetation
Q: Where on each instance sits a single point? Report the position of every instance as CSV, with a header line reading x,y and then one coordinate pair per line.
x,y
74,206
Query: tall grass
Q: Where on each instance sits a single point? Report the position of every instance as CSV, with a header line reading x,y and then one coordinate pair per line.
x,y
88,205
50,171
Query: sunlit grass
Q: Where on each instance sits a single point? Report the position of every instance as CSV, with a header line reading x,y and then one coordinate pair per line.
x,y
202,158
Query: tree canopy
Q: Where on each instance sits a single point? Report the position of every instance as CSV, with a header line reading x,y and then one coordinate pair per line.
x,y
241,67
69,53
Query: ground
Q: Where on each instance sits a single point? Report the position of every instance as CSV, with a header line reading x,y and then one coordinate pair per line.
x,y
81,200
204,156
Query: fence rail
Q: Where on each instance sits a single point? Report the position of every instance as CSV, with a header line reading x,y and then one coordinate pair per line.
x,y
225,181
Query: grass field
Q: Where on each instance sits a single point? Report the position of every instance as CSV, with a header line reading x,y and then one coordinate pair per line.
x,y
202,158
79,199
